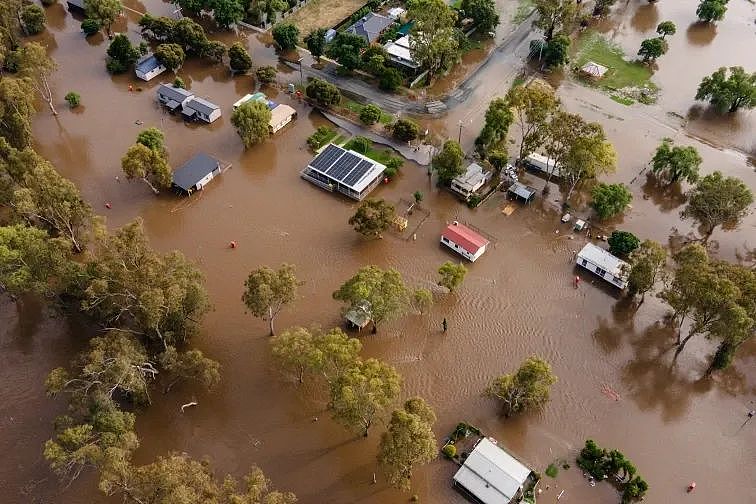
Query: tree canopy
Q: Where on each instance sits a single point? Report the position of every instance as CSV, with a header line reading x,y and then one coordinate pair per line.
x,y
435,39
652,48
526,389
711,10
674,163
345,49
385,291
324,93
718,201
238,58
33,18
555,16
373,217
286,36
105,12
448,162
666,28
609,200
532,107
622,243
316,42
729,93
647,266
148,165
452,275
267,292
483,13
499,118
170,55
252,122
121,54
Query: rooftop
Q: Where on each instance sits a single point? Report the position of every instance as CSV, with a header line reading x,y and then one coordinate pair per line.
x,y
491,474
346,167
604,260
147,63
472,178
465,237
281,112
202,105
193,171
400,49
594,69
174,93
521,190
370,26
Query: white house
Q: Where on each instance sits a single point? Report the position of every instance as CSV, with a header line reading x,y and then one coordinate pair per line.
x,y
196,173
173,98
198,108
469,182
399,53
148,67
348,172
261,97
464,241
490,475
280,116
602,263
543,164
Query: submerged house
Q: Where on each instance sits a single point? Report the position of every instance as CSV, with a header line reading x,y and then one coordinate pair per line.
x,y
490,475
148,67
464,241
344,171
280,116
359,315
599,261
196,173
173,98
200,109
471,181
370,27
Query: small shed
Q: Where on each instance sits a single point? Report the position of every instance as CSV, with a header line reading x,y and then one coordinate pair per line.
x,y
464,241
396,13
196,173
200,109
280,116
520,190
593,70
358,316
148,67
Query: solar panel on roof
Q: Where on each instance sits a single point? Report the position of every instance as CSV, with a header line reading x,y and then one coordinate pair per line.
x,y
326,158
343,166
358,172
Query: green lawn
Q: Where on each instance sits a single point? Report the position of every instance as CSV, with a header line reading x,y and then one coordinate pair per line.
x,y
383,155
356,108
524,8
622,99
591,46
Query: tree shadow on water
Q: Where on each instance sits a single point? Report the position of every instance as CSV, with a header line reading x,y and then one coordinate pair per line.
x,y
666,197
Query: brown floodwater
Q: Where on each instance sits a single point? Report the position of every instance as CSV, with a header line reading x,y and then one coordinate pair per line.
x,y
517,300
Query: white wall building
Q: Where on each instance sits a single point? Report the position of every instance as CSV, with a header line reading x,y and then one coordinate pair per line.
x,y
280,116
469,182
148,67
602,263
464,241
543,164
198,108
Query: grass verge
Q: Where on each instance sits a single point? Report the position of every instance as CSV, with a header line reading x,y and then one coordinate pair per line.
x,y
591,46
622,99
356,108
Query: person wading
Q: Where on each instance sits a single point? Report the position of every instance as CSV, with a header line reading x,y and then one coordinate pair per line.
x,y
444,324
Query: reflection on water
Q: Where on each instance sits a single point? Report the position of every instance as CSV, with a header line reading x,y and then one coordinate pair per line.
x,y
701,33
645,18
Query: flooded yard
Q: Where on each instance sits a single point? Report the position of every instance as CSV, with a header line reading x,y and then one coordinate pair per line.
x,y
517,300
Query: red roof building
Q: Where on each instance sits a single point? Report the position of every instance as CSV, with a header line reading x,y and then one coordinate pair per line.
x,y
464,241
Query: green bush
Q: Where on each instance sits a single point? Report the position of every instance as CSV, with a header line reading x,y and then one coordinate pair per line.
x,y
321,136
73,98
552,471
449,451
178,82
360,144
392,167
405,130
390,79
90,27
370,114
33,17
473,201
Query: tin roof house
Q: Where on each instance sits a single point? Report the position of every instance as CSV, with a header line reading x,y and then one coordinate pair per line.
x,y
464,241
197,108
148,67
173,98
280,116
195,174
400,54
345,171
605,265
371,26
471,181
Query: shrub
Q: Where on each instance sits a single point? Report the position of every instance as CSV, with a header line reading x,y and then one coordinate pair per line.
x,y
73,98
621,243
178,82
552,471
405,130
449,451
473,201
370,114
390,79
90,27
238,58
320,137
324,93
360,144
392,167
266,74
33,18
286,36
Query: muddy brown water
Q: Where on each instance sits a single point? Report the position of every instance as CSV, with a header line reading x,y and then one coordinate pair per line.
x,y
517,300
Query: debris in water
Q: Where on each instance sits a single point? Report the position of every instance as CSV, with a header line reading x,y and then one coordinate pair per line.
x,y
187,405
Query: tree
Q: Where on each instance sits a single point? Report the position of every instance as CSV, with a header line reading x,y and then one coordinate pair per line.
x,y
527,389
324,93
37,66
385,292
452,275
622,243
171,56
602,7
286,36
609,200
345,49
152,138
266,74
238,58
647,265
405,130
105,12
675,163
189,365
729,93
90,27
370,114
498,120
33,18
418,197
121,54
373,217
363,392
73,98
390,79
17,108
652,48
213,50
434,42
32,262
252,122
193,7
666,28
408,442
483,13
336,352
422,300
267,292
556,51
227,12
294,351
711,10
718,201
448,162
532,107
555,16
316,42
141,162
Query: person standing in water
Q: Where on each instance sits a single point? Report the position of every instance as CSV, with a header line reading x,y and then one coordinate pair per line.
x,y
444,324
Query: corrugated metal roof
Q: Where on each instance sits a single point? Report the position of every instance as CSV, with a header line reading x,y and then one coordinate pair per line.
x,y
194,170
523,191
280,112
173,93
465,238
147,64
201,105
492,474
604,260
472,178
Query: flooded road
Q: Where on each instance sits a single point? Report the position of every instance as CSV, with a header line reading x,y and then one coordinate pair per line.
x,y
516,301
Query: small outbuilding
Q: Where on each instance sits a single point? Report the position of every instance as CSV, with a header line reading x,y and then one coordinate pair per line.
x,y
173,98
200,109
490,475
543,164
602,263
196,173
464,241
593,70
280,116
258,96
522,191
358,316
148,67
471,181
396,13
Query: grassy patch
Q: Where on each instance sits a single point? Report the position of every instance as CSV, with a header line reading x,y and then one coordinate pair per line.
x,y
591,46
322,136
322,14
356,108
552,471
622,99
456,4
381,155
524,8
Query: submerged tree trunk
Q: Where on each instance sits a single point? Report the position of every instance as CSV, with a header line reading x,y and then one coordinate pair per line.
x,y
154,189
270,320
681,344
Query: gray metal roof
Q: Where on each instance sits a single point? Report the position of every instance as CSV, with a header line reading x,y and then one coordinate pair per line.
x,y
201,105
194,170
147,63
491,474
605,260
173,93
370,26
78,4
523,191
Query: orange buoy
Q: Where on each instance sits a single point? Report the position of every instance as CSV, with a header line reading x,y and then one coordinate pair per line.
x,y
692,486
131,88
107,205
232,244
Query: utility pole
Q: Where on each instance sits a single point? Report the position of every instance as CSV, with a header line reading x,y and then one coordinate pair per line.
x,y
459,137
301,77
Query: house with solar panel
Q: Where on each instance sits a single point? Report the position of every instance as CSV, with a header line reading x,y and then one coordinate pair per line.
x,y
464,241
336,169
148,67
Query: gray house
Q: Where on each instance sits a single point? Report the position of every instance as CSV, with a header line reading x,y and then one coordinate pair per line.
x,y
199,109
370,27
196,173
173,98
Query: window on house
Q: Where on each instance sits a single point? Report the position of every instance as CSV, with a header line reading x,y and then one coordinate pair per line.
x,y
583,262
600,272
